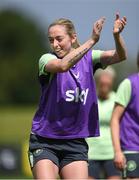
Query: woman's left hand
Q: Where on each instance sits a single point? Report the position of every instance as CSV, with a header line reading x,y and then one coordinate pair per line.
x,y
119,24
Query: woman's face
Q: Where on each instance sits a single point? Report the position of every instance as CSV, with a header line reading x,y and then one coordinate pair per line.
x,y
60,41
104,85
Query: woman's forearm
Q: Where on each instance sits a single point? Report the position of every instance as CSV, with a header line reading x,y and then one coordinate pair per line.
x,y
120,47
115,130
74,56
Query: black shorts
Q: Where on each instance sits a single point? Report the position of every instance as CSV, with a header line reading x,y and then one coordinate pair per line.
x,y
100,169
132,168
60,152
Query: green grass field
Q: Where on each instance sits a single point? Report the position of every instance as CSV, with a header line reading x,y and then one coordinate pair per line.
x,y
15,124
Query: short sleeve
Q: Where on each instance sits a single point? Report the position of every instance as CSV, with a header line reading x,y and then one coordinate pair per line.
x,y
123,95
43,61
96,54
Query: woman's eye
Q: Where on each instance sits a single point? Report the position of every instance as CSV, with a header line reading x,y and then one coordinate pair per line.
x,y
51,40
59,39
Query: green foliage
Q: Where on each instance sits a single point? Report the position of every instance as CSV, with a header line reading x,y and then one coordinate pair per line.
x,y
21,45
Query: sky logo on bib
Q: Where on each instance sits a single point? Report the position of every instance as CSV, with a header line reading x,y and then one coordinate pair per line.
x,y
77,95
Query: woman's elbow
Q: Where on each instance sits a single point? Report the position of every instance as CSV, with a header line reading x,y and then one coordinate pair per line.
x,y
64,68
123,57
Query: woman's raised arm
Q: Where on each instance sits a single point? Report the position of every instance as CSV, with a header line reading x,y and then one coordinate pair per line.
x,y
119,54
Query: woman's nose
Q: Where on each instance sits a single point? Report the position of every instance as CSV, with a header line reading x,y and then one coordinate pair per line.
x,y
55,43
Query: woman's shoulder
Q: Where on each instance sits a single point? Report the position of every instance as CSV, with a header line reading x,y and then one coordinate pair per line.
x,y
47,56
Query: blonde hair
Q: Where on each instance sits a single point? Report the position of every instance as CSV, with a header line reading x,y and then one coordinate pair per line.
x,y
109,70
70,29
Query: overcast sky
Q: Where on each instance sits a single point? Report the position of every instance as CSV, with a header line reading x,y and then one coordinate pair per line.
x,y
84,13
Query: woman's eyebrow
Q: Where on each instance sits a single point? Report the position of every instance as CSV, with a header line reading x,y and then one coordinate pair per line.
x,y
55,37
50,37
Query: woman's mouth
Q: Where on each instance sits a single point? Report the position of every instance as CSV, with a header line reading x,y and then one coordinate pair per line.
x,y
58,51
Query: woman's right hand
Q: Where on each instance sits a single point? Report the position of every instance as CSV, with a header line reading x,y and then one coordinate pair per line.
x,y
120,160
97,27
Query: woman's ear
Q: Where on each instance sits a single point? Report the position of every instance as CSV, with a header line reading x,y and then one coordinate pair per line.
x,y
74,38
74,41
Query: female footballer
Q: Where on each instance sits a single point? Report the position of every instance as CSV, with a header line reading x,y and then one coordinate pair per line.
x,y
68,112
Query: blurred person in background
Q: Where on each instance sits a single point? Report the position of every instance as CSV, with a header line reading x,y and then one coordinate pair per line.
x,y
125,126
101,154
68,111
